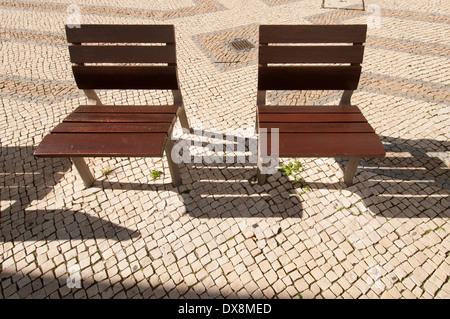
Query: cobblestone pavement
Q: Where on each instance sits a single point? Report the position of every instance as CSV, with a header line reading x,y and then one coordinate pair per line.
x,y
220,235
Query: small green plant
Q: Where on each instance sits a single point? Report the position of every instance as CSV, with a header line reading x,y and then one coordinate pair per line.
x,y
433,230
232,237
106,170
154,174
293,170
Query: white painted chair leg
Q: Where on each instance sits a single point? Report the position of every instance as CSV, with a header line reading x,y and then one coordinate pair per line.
x,y
93,98
265,161
173,167
83,170
183,119
178,100
260,177
350,170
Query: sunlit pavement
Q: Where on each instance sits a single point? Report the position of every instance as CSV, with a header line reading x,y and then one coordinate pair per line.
x,y
220,235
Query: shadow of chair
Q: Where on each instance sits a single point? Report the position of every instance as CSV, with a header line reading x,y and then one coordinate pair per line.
x,y
23,180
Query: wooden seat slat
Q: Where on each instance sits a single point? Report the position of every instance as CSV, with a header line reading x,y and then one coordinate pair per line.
x,y
119,118
312,33
304,109
328,145
68,127
142,109
126,77
102,145
319,127
125,33
311,118
311,54
308,77
122,54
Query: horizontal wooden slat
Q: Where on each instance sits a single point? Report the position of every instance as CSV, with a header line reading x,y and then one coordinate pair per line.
x,y
311,118
314,109
142,109
328,144
319,127
104,145
311,54
69,127
122,54
312,33
308,77
126,77
120,118
128,33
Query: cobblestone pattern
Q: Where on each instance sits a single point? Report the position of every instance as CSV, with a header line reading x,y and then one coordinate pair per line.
x,y
220,235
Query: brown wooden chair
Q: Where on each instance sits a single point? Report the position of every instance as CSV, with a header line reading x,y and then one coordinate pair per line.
x,y
324,57
101,57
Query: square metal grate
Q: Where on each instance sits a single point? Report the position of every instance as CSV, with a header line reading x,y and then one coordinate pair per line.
x,y
241,44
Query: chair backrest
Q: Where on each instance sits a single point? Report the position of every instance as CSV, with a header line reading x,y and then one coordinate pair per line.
x,y
318,57
110,45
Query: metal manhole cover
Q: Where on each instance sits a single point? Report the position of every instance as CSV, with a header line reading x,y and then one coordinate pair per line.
x,y
241,44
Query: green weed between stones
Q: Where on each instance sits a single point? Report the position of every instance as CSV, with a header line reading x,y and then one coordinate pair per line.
x,y
293,170
154,174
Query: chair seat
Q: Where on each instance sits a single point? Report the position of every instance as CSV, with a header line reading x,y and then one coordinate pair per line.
x,y
110,130
320,131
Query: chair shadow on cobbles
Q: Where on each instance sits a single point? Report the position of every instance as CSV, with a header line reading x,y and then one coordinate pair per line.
x,y
415,184
220,189
25,179
412,184
72,286
235,193
223,197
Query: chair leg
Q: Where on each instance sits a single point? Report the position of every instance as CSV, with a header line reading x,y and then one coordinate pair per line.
x,y
178,100
260,177
350,170
83,170
183,119
173,167
93,98
346,97
266,164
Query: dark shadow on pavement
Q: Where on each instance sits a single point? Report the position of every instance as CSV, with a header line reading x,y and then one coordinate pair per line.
x,y
24,179
413,184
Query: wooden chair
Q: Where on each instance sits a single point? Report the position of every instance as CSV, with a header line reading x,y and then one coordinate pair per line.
x,y
101,57
314,131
